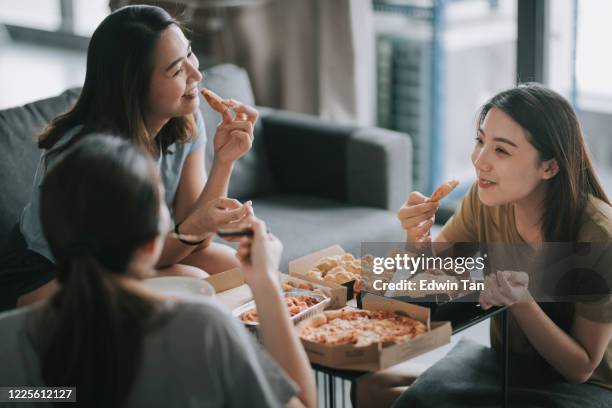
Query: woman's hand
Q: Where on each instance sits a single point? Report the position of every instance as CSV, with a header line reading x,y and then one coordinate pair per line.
x,y
228,213
234,135
417,217
505,288
260,255
219,213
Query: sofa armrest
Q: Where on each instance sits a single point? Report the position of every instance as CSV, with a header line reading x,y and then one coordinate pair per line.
x,y
360,166
379,165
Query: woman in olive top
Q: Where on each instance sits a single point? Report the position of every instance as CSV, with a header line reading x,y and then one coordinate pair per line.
x,y
535,184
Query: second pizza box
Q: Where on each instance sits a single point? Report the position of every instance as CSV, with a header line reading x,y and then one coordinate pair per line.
x,y
230,288
375,357
337,297
299,268
233,292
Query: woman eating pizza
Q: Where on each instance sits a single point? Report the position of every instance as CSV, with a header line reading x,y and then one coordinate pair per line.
x,y
142,84
122,344
535,184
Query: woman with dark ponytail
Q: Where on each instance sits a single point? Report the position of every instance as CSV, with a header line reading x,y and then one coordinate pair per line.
x,y
123,344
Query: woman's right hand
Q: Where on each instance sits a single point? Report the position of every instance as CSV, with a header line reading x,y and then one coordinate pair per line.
x,y
215,214
228,212
260,255
417,217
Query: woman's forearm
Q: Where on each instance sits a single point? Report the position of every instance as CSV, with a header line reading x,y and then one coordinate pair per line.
x,y
217,182
175,251
281,341
558,348
216,186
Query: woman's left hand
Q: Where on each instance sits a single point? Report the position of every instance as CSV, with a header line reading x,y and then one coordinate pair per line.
x,y
505,288
234,135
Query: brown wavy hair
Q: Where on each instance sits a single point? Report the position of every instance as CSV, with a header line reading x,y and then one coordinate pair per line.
x,y
553,129
119,70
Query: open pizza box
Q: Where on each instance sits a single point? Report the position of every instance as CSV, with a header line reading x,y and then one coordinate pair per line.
x,y
232,291
340,292
230,288
376,357
337,298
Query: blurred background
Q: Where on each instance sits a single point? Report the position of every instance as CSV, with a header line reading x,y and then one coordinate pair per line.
x,y
422,67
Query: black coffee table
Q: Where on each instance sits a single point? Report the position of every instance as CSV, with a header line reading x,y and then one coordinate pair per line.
x,y
462,315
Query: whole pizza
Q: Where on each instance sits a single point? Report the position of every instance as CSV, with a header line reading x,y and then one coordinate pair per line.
x,y
361,328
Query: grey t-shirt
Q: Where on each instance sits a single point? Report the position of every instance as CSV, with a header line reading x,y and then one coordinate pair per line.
x,y
195,355
170,168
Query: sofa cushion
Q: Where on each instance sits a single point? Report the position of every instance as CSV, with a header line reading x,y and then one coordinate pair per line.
x,y
19,128
251,175
306,224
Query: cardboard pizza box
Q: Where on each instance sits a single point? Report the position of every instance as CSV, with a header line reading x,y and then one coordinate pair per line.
x,y
230,288
337,297
300,266
376,357
232,291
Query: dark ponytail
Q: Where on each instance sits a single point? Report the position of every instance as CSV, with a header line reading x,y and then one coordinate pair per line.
x,y
95,334
98,205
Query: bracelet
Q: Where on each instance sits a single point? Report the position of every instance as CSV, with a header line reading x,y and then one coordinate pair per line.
x,y
178,236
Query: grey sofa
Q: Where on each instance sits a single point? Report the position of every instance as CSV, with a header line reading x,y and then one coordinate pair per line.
x,y
314,183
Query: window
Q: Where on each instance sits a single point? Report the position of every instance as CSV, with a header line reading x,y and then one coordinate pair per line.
x,y
41,14
79,16
437,63
88,14
579,66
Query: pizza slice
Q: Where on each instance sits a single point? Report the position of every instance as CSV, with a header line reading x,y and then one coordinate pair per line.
x,y
214,100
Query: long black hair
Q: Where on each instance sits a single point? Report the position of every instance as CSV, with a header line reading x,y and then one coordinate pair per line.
x,y
98,204
117,81
553,129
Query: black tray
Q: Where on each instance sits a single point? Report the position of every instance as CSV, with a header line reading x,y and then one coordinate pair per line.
x,y
439,304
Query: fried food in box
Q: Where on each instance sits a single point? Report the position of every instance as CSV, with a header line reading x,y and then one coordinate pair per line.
x,y
295,305
337,269
315,273
290,285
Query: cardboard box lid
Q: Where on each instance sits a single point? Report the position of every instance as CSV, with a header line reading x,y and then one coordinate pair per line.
x,y
230,287
226,280
235,297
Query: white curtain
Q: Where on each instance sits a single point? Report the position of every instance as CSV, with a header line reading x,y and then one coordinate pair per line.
x,y
311,56
327,49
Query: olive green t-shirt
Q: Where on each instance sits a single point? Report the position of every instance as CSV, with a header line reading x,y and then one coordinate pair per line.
x,y
475,222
